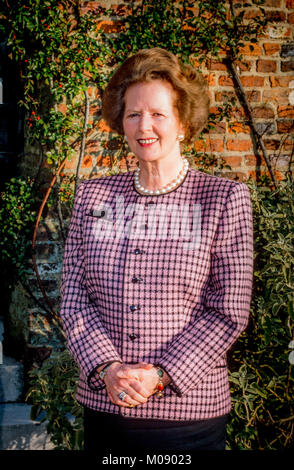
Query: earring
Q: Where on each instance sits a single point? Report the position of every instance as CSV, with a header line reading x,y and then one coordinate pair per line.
x,y
126,139
181,137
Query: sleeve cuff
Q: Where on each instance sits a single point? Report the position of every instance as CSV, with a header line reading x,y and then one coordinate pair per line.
x,y
94,381
172,385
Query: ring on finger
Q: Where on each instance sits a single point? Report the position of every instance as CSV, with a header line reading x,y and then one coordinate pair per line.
x,y
122,395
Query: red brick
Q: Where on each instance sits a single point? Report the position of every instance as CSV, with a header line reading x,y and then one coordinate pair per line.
x,y
266,66
252,81
285,126
235,175
237,113
251,14
62,107
234,162
251,50
276,95
254,173
272,3
215,65
280,81
87,161
214,110
252,160
94,110
286,111
216,145
279,176
93,146
129,162
287,66
70,164
103,161
263,112
121,10
210,145
272,144
210,78
89,6
108,26
271,48
291,18
225,95
224,80
239,145
275,16
238,128
253,95
219,128
244,65
288,145
103,127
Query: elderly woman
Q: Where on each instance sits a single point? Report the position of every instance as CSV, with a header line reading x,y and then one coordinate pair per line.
x,y
157,273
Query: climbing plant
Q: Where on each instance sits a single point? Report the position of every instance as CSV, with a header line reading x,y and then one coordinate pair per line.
x,y
197,32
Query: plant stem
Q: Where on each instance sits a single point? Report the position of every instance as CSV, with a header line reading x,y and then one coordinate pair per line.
x,y
83,142
257,139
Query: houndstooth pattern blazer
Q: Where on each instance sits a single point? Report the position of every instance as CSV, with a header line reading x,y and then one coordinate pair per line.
x,y
175,301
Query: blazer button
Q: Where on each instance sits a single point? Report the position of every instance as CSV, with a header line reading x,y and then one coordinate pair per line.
x,y
136,279
133,336
138,251
133,308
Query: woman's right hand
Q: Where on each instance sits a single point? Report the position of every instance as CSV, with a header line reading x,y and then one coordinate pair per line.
x,y
136,393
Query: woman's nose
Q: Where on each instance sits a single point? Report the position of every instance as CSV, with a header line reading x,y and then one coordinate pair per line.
x,y
145,122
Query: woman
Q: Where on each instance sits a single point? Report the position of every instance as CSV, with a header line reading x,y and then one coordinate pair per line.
x,y
157,273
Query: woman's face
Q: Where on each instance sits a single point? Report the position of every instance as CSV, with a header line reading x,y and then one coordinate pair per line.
x,y
151,121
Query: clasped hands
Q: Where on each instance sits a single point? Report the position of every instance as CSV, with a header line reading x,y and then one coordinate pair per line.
x,y
138,381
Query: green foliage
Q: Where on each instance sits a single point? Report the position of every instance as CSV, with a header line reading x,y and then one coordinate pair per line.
x,y
17,216
59,53
52,393
201,29
263,378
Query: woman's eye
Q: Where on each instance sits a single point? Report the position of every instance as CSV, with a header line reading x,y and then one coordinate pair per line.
x,y
133,115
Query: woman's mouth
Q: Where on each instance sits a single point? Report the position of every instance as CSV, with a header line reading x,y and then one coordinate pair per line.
x,y
146,142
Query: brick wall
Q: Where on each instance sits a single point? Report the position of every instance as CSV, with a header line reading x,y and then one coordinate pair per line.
x,y
267,76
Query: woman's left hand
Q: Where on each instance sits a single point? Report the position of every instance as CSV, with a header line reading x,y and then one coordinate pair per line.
x,y
145,373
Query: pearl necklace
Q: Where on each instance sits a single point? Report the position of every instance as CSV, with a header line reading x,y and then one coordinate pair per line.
x,y
167,187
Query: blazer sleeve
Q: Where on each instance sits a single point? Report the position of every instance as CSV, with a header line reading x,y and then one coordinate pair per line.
x,y
194,352
87,338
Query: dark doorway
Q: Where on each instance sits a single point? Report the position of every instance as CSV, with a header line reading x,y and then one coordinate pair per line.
x,y
11,116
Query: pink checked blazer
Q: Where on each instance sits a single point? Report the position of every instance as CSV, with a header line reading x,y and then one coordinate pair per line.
x,y
137,298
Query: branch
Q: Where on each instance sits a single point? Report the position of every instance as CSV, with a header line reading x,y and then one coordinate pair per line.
x,y
243,99
52,312
59,212
83,142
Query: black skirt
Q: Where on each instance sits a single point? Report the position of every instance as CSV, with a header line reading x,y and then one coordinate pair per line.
x,y
110,433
